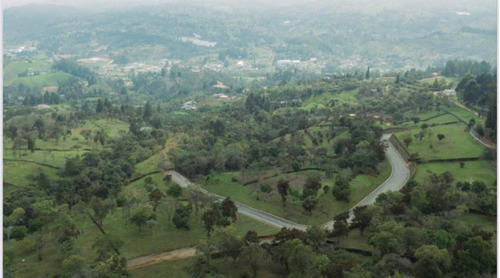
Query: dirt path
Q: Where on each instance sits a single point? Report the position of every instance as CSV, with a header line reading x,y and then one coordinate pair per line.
x,y
173,255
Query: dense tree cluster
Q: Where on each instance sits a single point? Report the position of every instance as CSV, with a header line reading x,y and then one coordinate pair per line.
x,y
457,68
417,232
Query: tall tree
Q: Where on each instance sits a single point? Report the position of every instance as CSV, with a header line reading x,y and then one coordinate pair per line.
x,y
31,144
283,187
142,214
341,190
148,110
309,203
210,218
362,217
155,197
229,209
181,217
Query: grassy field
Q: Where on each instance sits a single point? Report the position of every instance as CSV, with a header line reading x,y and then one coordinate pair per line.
x,y
327,207
448,118
49,78
51,153
54,158
11,71
111,127
39,81
76,140
17,173
423,116
440,79
482,170
464,114
457,143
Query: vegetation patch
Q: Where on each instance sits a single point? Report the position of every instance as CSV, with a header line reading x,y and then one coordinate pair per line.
x,y
224,185
482,170
457,142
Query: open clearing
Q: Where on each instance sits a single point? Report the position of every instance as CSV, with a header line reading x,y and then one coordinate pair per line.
x,y
481,170
457,143
327,207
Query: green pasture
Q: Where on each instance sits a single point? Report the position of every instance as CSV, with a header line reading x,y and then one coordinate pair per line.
x,y
18,173
458,143
39,81
112,127
54,158
447,80
12,69
327,207
448,118
463,114
482,170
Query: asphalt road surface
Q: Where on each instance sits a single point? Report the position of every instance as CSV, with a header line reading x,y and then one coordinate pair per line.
x,y
398,178
256,214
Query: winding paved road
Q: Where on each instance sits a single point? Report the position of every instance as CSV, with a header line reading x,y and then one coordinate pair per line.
x,y
259,215
398,178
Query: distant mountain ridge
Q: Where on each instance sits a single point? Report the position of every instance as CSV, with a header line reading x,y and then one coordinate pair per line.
x,y
25,22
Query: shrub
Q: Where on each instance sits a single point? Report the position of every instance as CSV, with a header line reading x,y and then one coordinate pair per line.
x,y
18,232
266,188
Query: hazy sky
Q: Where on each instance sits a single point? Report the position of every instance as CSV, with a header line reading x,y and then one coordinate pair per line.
x,y
124,3
384,4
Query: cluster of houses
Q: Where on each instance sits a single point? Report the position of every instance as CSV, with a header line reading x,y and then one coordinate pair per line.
x,y
20,51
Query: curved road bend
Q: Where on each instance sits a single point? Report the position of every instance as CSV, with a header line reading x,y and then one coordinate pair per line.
x,y
478,138
398,178
256,214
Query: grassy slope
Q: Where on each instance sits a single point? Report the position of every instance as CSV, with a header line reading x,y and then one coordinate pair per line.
x,y
457,143
11,71
151,164
328,207
464,114
482,170
442,119
17,172
49,79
